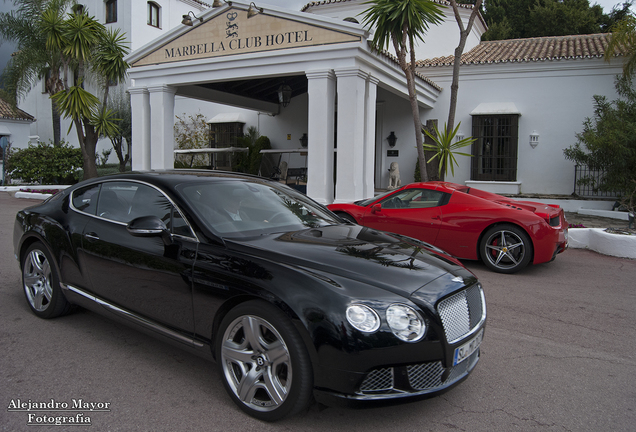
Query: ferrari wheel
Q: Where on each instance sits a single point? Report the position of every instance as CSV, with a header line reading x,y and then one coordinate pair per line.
x,y
506,249
41,283
265,367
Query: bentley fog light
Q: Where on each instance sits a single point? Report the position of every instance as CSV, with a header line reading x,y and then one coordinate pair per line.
x,y
363,318
405,323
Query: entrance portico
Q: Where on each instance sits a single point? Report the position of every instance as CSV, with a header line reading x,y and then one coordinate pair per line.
x,y
230,59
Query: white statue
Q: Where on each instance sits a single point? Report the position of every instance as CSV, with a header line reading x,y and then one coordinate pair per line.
x,y
283,170
394,176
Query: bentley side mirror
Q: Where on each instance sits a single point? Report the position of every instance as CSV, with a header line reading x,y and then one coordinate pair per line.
x,y
149,226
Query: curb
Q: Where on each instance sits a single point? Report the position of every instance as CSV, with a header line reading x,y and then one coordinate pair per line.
x,y
596,239
32,195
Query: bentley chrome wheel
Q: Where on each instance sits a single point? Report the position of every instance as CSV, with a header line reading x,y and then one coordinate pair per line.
x,y
256,363
263,361
36,275
41,283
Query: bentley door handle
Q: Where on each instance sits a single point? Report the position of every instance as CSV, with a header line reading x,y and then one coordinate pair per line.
x,y
91,236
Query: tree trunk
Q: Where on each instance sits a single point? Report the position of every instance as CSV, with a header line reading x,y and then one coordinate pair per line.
x,y
463,36
432,166
415,109
57,124
88,143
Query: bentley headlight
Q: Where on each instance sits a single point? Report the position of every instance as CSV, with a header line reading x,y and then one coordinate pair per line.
x,y
405,323
363,318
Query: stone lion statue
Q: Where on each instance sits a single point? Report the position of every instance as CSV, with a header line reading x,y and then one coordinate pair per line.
x,y
394,176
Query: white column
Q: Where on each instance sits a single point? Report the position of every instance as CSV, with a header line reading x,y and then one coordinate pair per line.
x,y
380,151
321,87
352,98
140,107
369,138
162,126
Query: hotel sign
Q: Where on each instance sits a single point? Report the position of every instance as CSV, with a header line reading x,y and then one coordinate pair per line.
x,y
231,32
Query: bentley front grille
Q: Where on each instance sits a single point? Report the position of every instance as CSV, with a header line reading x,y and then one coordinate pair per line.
x,y
462,312
421,377
378,380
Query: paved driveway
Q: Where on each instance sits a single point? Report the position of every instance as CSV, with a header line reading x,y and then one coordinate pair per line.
x,y
559,354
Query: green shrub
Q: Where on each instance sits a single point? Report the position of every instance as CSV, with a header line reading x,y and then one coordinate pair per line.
x,y
45,164
262,143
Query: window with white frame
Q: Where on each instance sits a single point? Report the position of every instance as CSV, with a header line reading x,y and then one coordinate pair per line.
x,y
111,11
154,14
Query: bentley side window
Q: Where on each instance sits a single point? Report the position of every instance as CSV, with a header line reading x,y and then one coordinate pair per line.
x,y
85,199
148,201
114,201
122,201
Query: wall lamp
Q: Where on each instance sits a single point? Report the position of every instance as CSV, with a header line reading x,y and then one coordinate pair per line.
x,y
391,139
218,3
284,94
188,21
303,140
255,10
534,139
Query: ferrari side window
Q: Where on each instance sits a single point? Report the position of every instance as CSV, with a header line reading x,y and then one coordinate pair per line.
x,y
85,199
413,198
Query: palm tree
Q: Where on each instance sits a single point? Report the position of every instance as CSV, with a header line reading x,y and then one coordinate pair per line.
x,y
50,44
32,61
401,22
623,39
94,52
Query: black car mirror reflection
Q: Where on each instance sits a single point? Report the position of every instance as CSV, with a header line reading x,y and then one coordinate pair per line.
x,y
149,226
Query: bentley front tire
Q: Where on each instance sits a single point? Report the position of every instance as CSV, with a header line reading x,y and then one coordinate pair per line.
x,y
263,362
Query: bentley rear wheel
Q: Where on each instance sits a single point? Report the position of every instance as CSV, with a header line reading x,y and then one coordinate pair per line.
x,y
41,283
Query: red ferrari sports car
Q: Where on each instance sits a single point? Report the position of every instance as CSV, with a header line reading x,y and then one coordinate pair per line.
x,y
467,223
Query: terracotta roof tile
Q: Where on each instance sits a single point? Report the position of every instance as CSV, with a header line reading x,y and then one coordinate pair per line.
x,y
531,50
321,3
395,60
8,112
327,2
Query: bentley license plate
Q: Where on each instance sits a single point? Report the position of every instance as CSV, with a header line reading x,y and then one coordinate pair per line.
x,y
464,351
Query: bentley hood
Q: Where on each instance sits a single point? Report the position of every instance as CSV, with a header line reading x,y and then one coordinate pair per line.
x,y
394,263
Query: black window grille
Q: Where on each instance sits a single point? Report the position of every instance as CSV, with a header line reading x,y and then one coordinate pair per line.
x,y
495,149
224,135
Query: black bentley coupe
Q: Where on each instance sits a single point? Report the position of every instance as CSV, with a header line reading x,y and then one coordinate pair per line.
x,y
292,302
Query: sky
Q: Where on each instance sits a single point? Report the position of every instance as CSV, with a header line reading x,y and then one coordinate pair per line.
x,y
6,5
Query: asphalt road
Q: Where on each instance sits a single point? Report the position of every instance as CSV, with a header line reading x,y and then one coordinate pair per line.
x,y
559,354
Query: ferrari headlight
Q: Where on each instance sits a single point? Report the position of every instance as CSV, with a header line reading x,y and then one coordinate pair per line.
x,y
405,322
363,318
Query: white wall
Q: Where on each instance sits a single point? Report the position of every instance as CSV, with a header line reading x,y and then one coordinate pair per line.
x,y
20,132
554,98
